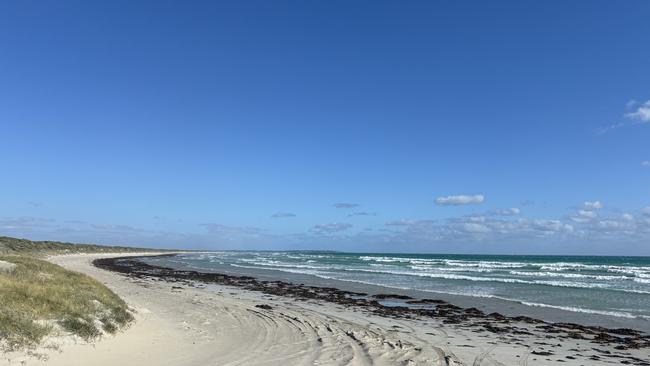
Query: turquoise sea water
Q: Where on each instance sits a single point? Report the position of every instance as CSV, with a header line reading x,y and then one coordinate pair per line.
x,y
610,286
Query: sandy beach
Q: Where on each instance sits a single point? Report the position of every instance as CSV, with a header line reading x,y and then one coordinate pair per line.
x,y
209,324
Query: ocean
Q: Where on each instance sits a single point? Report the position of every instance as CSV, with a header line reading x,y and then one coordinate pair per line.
x,y
614,287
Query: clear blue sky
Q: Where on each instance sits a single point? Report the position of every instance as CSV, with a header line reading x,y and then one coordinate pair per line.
x,y
436,126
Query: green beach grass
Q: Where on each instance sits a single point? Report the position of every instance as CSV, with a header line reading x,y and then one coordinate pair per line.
x,y
10,245
39,299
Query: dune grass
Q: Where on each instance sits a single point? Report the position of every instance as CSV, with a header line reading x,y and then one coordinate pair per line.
x,y
38,298
10,245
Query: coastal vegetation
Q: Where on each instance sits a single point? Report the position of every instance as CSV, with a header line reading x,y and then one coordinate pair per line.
x,y
10,245
40,299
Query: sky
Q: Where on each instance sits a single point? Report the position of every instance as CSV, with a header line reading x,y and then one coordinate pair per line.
x,y
513,127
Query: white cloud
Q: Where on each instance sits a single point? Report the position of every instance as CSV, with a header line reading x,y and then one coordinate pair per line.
x,y
595,205
282,215
226,232
399,223
646,211
14,223
362,213
346,205
514,211
475,218
645,163
611,224
638,113
460,200
627,217
641,113
583,216
330,228
412,225
472,227
551,226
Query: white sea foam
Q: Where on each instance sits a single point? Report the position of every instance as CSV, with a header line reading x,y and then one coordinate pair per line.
x,y
279,265
484,264
557,266
401,260
476,277
491,279
567,275
618,314
296,271
461,270
451,269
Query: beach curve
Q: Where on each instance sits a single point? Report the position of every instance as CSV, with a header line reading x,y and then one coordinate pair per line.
x,y
198,324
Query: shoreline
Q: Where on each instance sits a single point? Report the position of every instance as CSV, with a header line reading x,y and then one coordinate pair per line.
x,y
488,304
403,306
182,321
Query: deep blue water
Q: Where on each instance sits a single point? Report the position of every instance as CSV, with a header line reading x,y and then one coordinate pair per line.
x,y
613,286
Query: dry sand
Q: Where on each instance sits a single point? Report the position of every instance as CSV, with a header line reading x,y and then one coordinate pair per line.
x,y
215,325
